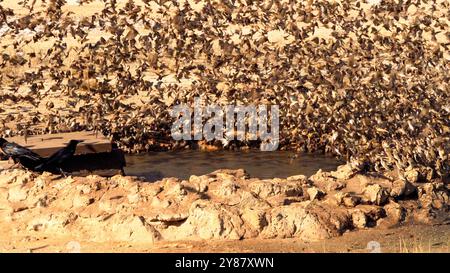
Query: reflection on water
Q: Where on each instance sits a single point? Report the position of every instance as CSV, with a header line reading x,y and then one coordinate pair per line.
x,y
182,164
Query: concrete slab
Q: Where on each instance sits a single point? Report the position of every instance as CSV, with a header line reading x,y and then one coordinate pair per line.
x,y
46,145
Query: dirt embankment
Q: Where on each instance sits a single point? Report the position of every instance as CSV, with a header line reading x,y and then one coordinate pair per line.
x,y
223,205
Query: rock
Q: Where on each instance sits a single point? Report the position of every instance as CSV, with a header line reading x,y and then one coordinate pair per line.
x,y
395,214
359,219
375,194
312,229
151,190
123,181
339,196
262,188
412,176
42,201
133,189
132,229
210,221
158,203
4,197
361,181
309,223
17,193
200,183
255,218
434,195
298,178
280,200
347,199
337,220
134,198
322,178
52,222
428,173
15,176
225,177
202,187
372,213
81,201
194,179
238,173
401,188
344,172
84,188
249,200
165,217
227,188
351,201
291,188
25,178
39,183
63,183
335,186
125,209
38,223
424,216
285,222
314,193
175,189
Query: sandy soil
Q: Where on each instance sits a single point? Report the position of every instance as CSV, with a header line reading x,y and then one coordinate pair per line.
x,y
406,239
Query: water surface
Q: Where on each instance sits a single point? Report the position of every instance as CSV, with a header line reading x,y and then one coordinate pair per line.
x,y
182,164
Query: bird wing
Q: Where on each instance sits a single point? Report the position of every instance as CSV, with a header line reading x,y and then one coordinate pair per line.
x,y
55,157
15,150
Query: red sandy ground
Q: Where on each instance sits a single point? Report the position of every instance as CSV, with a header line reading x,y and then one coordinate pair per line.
x,y
411,238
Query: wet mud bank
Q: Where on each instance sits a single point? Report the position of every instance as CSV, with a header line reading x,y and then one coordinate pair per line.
x,y
222,205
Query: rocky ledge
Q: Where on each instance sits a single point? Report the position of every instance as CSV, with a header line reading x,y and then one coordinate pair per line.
x,y
225,204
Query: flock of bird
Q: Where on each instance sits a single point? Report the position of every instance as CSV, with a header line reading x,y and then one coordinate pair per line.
x,y
363,80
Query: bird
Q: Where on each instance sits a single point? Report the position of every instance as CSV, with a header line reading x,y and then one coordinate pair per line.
x,y
344,100
55,162
20,155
